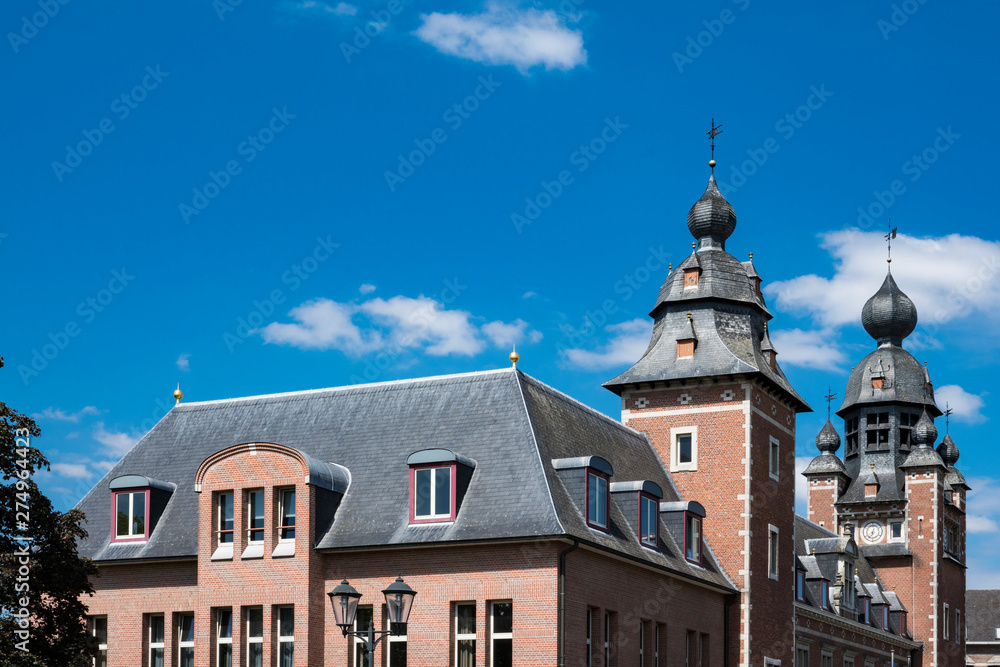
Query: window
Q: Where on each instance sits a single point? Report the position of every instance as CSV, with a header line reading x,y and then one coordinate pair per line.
x,y
597,499
895,531
906,423
703,651
156,644
642,642
185,640
99,629
866,615
958,626
590,637
656,646
902,622
824,595
774,457
286,629
684,453
851,435
772,551
826,659
690,646
692,537
800,585
465,635
885,619
685,348
691,277
130,515
947,621
801,656
255,637
433,493
501,634
649,521
362,620
877,429
286,514
225,518
224,636
871,490
255,516
607,639
848,662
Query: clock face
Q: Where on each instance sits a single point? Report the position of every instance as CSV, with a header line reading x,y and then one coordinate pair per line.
x,y
872,531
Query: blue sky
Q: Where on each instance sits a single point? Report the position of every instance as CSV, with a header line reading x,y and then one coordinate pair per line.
x,y
258,197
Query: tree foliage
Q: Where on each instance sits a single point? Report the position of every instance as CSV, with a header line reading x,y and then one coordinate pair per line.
x,y
46,576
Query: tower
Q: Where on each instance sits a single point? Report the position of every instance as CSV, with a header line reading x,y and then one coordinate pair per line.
x,y
901,500
716,405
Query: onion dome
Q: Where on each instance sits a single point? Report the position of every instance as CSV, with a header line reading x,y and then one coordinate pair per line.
x,y
828,440
711,219
924,431
948,451
889,316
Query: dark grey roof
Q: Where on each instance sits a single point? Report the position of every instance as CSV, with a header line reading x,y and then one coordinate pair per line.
x,y
948,450
889,315
712,218
509,425
923,457
882,550
905,381
828,440
723,277
825,464
982,615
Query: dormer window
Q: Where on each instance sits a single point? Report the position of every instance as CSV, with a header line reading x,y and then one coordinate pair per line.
x,y
902,623
824,597
800,585
649,521
438,478
691,277
885,617
866,614
597,499
685,348
692,537
871,490
131,509
136,505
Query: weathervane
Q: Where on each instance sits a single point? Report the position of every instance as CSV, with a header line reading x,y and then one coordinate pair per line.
x,y
888,240
947,415
829,399
714,132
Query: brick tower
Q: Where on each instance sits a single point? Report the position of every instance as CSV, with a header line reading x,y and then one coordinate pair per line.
x,y
901,500
710,394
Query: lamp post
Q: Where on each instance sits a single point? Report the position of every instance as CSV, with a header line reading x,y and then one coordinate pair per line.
x,y
398,601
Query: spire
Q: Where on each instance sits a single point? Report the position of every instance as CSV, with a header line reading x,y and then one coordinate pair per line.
x,y
889,315
711,219
924,432
828,440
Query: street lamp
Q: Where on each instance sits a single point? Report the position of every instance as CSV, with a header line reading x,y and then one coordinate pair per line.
x,y
398,601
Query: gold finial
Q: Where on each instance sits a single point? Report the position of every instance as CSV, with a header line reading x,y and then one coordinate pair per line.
x,y
670,267
514,357
873,466
694,246
751,257
689,314
178,394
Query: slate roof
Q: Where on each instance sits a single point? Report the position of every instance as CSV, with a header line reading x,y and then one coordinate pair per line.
x,y
512,426
982,615
904,382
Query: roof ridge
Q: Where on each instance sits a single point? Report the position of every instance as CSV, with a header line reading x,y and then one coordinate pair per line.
x,y
346,387
581,404
799,517
538,450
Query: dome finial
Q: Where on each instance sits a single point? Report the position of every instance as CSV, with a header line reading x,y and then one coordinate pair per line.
x,y
514,357
178,394
712,134
889,315
888,240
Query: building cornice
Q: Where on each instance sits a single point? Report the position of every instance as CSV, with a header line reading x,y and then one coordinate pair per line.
x,y
855,627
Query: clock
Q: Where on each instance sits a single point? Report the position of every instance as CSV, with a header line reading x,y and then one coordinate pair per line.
x,y
872,532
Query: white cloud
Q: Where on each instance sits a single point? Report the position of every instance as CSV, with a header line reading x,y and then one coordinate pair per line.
x,y
628,343
801,484
968,407
60,415
503,334
183,362
419,323
981,524
103,466
367,288
115,442
529,294
947,277
505,35
317,9
809,349
73,470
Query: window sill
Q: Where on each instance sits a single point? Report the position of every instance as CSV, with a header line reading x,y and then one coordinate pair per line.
x,y
224,552
774,477
284,549
253,550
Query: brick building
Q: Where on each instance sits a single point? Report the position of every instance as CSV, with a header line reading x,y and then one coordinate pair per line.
x,y
537,531
983,628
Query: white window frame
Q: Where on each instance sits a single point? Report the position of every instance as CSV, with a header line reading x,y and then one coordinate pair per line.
x,y
773,552
181,645
652,508
471,636
100,647
602,487
281,514
221,641
131,515
433,470
825,658
799,650
224,550
284,639
947,620
251,639
902,530
250,517
494,635
161,645
774,458
675,450
697,556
